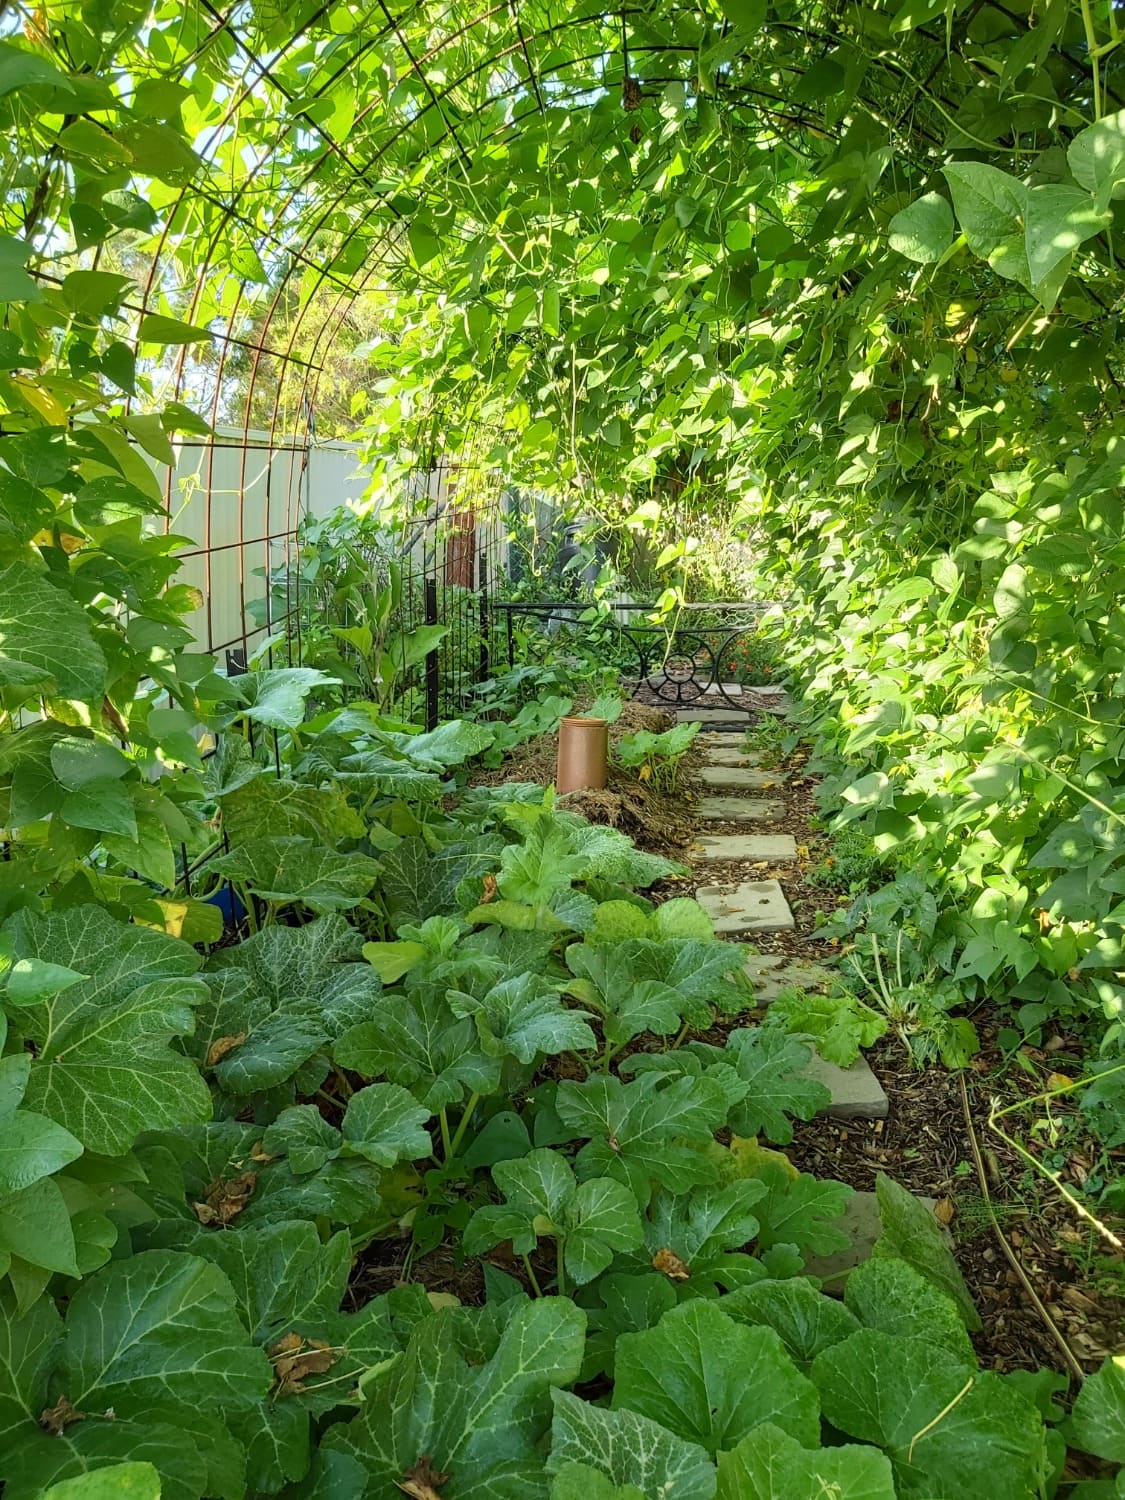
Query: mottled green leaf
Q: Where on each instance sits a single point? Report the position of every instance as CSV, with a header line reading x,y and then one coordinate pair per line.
x,y
475,1401
524,1017
628,1449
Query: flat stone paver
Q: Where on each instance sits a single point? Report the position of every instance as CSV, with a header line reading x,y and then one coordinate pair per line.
x,y
737,718
724,755
861,1220
738,778
856,1093
754,847
742,810
770,973
723,689
750,906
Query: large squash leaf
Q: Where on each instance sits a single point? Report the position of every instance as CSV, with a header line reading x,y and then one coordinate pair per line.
x,y
949,1429
417,883
594,1220
805,1319
768,1464
705,1232
1098,1419
887,1294
276,696
760,1072
711,1380
469,1398
223,1175
418,1042
156,1341
289,1284
279,1000
105,1069
289,808
524,1017
291,868
629,1449
642,1133
450,744
911,1233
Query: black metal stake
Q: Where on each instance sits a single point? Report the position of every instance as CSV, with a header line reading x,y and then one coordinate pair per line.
x,y
432,674
485,618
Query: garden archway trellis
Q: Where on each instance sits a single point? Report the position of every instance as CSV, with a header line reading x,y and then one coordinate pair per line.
x,y
300,161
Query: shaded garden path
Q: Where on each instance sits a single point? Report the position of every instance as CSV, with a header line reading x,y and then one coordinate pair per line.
x,y
754,844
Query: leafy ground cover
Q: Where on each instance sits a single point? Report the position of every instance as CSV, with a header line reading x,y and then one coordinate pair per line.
x,y
425,1043
927,1141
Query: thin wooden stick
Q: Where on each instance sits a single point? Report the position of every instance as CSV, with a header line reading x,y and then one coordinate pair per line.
x,y
1002,1241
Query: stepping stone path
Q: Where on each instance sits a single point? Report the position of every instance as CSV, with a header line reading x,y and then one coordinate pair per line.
x,y
861,1220
721,848
760,906
718,754
856,1093
741,810
737,718
726,689
770,973
749,906
737,778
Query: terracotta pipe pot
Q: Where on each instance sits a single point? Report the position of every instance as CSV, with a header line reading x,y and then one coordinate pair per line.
x,y
583,750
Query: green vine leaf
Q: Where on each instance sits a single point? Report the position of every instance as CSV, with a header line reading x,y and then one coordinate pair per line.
x,y
47,644
923,231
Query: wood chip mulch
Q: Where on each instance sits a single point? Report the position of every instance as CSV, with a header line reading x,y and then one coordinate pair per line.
x,y
925,1143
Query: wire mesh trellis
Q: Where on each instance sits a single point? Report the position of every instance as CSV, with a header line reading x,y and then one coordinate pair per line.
x,y
447,583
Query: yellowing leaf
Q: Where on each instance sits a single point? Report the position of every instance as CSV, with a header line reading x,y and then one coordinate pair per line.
x,y
751,1157
48,407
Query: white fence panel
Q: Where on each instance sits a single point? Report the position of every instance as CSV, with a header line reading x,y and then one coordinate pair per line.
x,y
240,499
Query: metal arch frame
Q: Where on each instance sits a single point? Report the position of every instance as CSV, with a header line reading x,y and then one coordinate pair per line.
x,y
243,84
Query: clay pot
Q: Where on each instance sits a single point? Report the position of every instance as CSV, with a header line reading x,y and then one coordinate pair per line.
x,y
583,749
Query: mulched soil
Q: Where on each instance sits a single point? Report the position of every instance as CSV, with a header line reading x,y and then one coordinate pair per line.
x,y
925,1143
658,821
